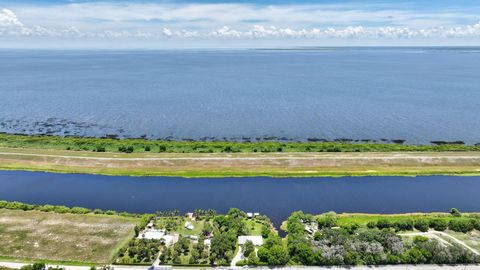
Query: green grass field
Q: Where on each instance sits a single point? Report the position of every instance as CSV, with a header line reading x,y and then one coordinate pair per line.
x,y
363,219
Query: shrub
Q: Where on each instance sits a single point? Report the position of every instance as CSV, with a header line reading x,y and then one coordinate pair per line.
x,y
79,210
128,149
461,225
371,224
476,224
248,248
110,212
62,209
422,225
35,266
383,224
403,225
439,224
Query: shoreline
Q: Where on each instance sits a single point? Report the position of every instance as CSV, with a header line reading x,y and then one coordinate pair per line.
x,y
402,225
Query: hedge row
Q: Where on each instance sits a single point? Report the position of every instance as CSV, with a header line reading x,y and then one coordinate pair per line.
x,y
457,224
61,209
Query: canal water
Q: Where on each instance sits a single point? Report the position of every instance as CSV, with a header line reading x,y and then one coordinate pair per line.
x,y
275,197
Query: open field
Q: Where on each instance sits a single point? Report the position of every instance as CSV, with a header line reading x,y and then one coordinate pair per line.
x,y
242,164
62,237
363,219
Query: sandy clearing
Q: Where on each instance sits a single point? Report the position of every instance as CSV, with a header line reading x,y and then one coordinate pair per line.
x,y
437,234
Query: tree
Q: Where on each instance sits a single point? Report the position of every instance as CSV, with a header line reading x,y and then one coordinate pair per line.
x,y
177,259
252,259
454,212
327,220
248,248
265,231
223,245
35,266
278,255
207,229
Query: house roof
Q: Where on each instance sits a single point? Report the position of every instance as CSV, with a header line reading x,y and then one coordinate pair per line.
x,y
257,240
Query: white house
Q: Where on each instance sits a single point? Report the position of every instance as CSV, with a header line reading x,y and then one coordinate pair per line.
x,y
207,242
189,225
257,240
151,234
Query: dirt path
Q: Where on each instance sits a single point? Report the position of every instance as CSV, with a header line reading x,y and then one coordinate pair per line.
x,y
371,156
436,234
243,164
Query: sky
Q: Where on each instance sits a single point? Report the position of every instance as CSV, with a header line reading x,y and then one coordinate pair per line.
x,y
237,23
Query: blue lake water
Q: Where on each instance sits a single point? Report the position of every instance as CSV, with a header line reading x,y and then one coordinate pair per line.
x,y
277,198
416,94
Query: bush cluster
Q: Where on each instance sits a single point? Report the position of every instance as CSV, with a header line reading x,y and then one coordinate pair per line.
x,y
190,146
460,224
61,209
375,244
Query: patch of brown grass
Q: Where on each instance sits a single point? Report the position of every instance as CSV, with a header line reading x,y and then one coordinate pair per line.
x,y
62,237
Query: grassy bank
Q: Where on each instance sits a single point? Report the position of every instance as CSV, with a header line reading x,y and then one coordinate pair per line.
x,y
156,146
276,173
139,157
242,164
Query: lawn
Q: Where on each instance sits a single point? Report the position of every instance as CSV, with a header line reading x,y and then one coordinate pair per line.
x,y
254,226
177,225
62,237
363,219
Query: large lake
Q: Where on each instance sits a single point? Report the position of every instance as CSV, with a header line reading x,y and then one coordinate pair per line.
x,y
277,198
416,94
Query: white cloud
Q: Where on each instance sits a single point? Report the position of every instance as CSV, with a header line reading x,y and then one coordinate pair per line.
x,y
11,25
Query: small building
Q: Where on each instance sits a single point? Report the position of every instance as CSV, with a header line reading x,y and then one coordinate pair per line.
x,y
189,225
160,267
208,242
150,224
257,240
309,229
170,239
151,234
249,215
256,214
193,237
167,239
